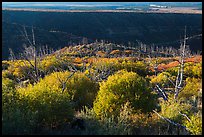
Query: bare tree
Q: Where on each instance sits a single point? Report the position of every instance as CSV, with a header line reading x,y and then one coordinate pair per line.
x,y
179,79
30,54
173,122
12,55
63,82
178,86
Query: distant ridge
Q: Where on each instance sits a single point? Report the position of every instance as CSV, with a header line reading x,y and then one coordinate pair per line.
x,y
183,10
119,27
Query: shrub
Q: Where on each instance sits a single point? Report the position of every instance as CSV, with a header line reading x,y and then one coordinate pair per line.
x,y
5,65
80,89
118,125
190,70
126,123
8,93
106,64
33,107
17,121
116,64
139,67
162,79
7,74
122,87
51,107
50,63
14,112
172,108
173,71
7,84
191,88
197,70
195,124
19,68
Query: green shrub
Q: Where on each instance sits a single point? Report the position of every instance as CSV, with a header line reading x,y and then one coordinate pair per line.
x,y
162,79
106,64
51,107
7,74
118,64
197,70
195,124
33,107
19,68
5,65
8,94
172,108
126,123
50,63
7,84
139,67
122,87
188,69
80,89
173,71
118,125
191,88
193,69
16,118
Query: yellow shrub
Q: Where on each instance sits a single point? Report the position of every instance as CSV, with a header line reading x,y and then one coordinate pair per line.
x,y
191,88
122,87
51,106
195,125
80,89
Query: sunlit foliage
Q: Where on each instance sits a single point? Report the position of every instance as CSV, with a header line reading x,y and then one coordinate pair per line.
x,y
191,88
173,108
16,118
51,106
163,79
122,87
195,124
117,93
79,88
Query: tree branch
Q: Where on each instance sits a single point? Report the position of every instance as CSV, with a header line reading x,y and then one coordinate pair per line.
x,y
170,121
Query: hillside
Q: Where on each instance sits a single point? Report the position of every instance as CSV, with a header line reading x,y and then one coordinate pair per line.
x,y
117,27
101,88
118,68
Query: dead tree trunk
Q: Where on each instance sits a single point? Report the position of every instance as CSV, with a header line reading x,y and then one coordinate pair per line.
x,y
30,54
12,55
179,78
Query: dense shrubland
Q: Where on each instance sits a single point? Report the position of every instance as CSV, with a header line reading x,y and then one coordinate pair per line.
x,y
100,95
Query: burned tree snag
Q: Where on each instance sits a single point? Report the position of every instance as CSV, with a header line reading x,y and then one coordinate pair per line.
x,y
179,78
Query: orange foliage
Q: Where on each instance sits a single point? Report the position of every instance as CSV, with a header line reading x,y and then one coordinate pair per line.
x,y
115,52
166,66
128,51
101,53
77,60
195,59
